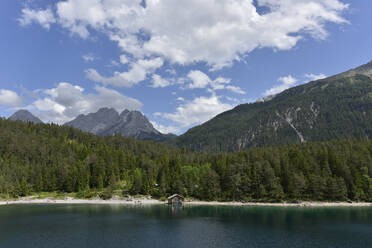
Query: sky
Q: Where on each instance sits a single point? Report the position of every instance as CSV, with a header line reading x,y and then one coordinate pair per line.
x,y
179,62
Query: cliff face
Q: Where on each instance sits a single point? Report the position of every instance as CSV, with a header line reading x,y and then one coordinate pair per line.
x,y
95,122
107,121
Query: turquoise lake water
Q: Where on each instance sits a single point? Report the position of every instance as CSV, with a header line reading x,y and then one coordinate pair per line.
x,y
199,226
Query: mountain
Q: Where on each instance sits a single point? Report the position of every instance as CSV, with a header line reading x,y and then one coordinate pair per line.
x,y
97,122
333,108
107,121
365,70
24,115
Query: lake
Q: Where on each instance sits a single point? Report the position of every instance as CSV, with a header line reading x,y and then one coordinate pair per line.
x,y
197,226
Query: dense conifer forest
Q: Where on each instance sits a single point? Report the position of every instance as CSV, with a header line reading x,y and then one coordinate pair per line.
x,y
50,158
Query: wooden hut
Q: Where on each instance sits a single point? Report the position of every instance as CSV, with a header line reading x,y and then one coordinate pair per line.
x,y
176,199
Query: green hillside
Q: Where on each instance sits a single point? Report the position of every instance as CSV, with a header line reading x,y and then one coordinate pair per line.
x,y
51,158
338,107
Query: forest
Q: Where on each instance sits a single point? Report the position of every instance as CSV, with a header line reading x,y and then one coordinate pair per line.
x,y
51,158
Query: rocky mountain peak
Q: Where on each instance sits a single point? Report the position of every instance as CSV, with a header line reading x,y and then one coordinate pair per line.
x,y
97,122
125,112
24,115
107,121
107,110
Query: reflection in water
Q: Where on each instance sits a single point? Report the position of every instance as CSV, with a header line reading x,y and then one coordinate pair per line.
x,y
175,209
186,226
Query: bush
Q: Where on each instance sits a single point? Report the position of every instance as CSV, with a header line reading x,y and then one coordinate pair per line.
x,y
105,195
163,198
86,194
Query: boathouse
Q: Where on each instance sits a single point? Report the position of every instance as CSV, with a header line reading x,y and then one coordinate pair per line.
x,y
176,199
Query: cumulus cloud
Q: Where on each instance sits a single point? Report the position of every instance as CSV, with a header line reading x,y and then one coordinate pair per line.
x,y
235,89
313,77
137,73
196,111
66,101
201,80
10,98
188,31
43,17
159,82
286,83
124,59
164,129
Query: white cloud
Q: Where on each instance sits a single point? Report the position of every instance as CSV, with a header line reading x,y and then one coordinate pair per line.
x,y
124,59
164,129
201,80
313,77
235,89
287,82
43,17
197,111
10,98
89,58
188,31
137,73
48,104
159,82
67,101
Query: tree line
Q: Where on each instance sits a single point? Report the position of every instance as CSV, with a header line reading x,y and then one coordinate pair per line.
x,y
49,158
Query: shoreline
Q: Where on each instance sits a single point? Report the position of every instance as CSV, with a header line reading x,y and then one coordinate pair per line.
x,y
51,201
148,202
280,204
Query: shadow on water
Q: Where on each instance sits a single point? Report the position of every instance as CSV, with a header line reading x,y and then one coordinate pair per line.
x,y
186,226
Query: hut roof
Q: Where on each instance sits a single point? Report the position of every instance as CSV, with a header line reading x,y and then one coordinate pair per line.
x,y
175,195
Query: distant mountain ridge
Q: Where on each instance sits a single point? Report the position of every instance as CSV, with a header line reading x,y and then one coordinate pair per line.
x,y
24,115
365,70
332,108
107,121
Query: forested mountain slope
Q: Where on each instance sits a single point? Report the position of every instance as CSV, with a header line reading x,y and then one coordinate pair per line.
x,y
333,108
43,157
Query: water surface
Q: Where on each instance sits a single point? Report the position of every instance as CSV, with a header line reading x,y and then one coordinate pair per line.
x,y
198,226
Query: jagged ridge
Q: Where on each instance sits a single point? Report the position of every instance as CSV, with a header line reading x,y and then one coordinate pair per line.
x,y
107,121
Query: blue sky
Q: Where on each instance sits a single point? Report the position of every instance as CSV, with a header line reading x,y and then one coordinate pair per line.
x,y
179,62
